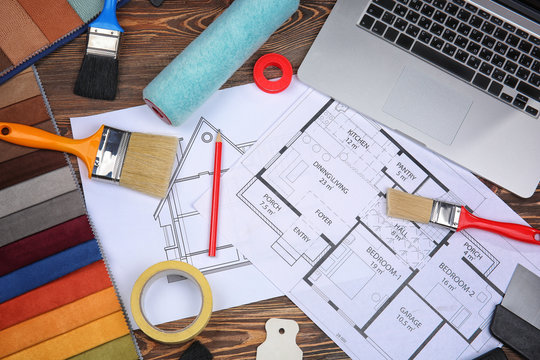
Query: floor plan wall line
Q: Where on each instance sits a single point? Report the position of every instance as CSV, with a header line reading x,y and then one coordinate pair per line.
x,y
312,192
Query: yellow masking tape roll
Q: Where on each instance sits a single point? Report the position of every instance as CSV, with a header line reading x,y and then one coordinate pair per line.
x,y
157,271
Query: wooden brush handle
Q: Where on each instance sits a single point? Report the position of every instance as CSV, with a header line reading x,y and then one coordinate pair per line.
x,y
85,149
515,231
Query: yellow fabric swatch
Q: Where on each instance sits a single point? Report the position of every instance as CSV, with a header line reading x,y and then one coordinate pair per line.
x,y
77,341
121,348
58,321
23,86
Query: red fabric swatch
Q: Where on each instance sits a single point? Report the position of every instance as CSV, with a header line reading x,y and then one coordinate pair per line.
x,y
44,244
78,284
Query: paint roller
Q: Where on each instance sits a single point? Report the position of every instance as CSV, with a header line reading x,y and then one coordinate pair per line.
x,y
210,60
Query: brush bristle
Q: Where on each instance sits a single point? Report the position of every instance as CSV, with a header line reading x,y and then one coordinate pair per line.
x,y
98,77
148,164
409,207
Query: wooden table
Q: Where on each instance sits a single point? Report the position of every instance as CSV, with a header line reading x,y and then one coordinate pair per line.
x,y
153,37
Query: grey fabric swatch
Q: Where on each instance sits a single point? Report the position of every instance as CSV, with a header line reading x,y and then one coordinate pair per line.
x,y
36,190
41,216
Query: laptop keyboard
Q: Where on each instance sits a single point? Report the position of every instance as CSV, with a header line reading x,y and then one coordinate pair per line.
x,y
467,42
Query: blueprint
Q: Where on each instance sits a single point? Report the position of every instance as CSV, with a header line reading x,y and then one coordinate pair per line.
x,y
307,206
137,231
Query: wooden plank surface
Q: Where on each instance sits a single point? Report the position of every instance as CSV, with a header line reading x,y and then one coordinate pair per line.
x,y
153,37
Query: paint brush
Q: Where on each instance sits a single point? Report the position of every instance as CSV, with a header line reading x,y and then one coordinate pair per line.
x,y
98,76
420,209
142,162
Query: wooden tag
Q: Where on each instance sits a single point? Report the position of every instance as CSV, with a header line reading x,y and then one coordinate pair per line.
x,y
280,343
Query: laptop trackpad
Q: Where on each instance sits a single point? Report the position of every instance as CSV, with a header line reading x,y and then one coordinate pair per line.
x,y
427,105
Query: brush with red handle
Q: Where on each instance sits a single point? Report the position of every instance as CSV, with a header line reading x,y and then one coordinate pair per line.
x,y
420,209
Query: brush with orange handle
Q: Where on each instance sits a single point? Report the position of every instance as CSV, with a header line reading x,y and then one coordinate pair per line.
x,y
138,161
420,209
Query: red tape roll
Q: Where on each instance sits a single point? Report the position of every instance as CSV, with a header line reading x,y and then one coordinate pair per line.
x,y
279,61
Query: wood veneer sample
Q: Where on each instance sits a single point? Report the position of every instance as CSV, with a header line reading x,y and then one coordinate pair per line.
x,y
44,243
80,283
28,166
20,37
21,87
41,216
55,18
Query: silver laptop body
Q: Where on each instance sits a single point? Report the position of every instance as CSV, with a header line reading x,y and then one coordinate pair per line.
x,y
442,109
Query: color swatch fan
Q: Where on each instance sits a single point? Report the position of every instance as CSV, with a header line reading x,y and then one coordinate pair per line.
x,y
57,297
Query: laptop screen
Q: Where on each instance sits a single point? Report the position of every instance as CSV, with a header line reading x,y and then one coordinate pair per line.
x,y
528,8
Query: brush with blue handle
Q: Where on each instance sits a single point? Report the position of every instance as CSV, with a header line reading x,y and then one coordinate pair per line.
x,y
98,76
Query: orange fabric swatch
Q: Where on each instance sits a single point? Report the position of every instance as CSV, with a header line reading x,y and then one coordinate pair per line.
x,y
76,341
58,321
78,284
21,87
55,18
20,37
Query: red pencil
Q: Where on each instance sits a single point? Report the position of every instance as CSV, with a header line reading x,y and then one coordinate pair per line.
x,y
215,196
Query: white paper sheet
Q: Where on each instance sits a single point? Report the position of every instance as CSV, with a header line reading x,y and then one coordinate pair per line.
x,y
137,231
307,206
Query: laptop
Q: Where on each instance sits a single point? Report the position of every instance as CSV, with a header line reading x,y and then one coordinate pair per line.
x,y
460,77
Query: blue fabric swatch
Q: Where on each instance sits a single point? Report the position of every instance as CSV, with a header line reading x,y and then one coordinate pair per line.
x,y
48,269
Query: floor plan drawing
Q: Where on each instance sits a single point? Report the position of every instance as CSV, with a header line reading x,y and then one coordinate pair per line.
x,y
138,231
312,194
175,214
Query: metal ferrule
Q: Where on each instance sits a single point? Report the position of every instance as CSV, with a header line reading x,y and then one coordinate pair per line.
x,y
445,214
103,42
111,154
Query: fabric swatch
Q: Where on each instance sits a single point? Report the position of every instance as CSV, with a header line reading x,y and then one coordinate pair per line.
x,y
52,276
121,348
46,270
21,87
55,18
28,166
58,321
10,151
36,190
4,61
78,284
31,111
76,341
19,35
44,244
40,217
87,10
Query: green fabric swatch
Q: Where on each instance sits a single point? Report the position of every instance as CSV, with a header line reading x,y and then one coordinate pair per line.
x,y
121,348
86,9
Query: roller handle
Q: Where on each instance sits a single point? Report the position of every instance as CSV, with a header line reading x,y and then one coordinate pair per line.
x,y
515,231
85,149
